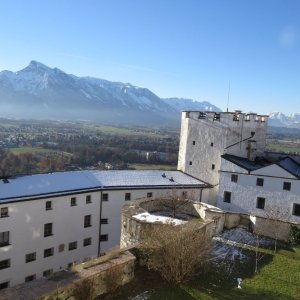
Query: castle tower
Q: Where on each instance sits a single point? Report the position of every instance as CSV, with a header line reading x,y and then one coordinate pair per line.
x,y
205,136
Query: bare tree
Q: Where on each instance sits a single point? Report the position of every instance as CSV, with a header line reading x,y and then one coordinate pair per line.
x,y
176,252
172,202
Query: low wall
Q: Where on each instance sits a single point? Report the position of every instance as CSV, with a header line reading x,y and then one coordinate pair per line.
x,y
215,221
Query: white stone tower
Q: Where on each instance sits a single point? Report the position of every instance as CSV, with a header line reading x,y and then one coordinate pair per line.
x,y
205,136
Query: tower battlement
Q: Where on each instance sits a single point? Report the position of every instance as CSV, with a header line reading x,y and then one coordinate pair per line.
x,y
229,118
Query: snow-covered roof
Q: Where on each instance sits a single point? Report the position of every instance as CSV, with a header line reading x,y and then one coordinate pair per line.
x,y
43,185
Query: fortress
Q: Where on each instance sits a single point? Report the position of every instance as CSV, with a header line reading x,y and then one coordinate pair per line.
x,y
50,221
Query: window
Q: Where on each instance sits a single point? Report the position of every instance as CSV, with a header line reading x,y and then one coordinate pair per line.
x,y
73,201
104,221
194,142
287,186
227,197
4,212
48,252
260,203
4,285
260,182
47,273
48,205
211,144
191,163
4,238
212,166
127,196
4,264
61,248
88,199
149,195
48,229
234,178
72,246
30,278
103,237
87,221
30,257
87,242
104,197
296,209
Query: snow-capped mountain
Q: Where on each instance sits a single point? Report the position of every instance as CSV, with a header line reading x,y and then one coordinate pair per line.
x,y
281,120
181,104
38,91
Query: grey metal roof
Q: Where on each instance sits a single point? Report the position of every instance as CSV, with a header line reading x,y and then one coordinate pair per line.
x,y
43,185
246,163
290,165
287,163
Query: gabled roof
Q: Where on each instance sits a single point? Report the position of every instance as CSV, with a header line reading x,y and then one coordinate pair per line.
x,y
245,163
290,165
60,183
286,163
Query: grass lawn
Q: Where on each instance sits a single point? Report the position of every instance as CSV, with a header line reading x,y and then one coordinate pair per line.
x,y
35,150
278,278
152,167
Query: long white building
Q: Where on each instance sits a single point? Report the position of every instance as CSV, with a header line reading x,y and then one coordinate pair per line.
x,y
50,221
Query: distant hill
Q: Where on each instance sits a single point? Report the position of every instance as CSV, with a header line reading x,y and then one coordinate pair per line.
x,y
279,119
40,92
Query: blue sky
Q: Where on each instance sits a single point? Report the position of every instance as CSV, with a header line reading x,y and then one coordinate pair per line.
x,y
182,48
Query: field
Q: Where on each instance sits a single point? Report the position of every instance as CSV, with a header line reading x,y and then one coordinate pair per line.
x,y
278,278
152,167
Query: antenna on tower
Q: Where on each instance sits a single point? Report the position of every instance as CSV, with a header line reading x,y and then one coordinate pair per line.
x,y
228,96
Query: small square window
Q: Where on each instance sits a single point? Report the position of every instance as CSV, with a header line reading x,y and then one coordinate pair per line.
x,y
4,285
213,166
48,273
73,201
48,205
4,238
296,209
48,229
149,195
260,182
103,237
194,142
61,248
30,257
88,221
227,197
4,212
260,203
127,196
287,186
104,221
4,264
87,242
30,278
72,246
234,178
191,163
88,199
104,197
48,252
211,144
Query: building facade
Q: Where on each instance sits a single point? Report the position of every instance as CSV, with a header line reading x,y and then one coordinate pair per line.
x,y
50,221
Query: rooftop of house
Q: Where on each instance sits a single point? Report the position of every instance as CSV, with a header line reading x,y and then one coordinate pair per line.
x,y
287,163
42,185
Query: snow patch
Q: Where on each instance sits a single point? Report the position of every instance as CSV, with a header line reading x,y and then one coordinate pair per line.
x,y
149,218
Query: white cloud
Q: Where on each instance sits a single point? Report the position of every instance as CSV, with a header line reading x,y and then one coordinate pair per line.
x,y
288,37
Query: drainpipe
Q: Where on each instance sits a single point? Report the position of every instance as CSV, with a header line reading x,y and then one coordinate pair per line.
x,y
99,234
201,190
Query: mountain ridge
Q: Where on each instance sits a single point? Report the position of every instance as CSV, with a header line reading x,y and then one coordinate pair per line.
x,y
38,91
